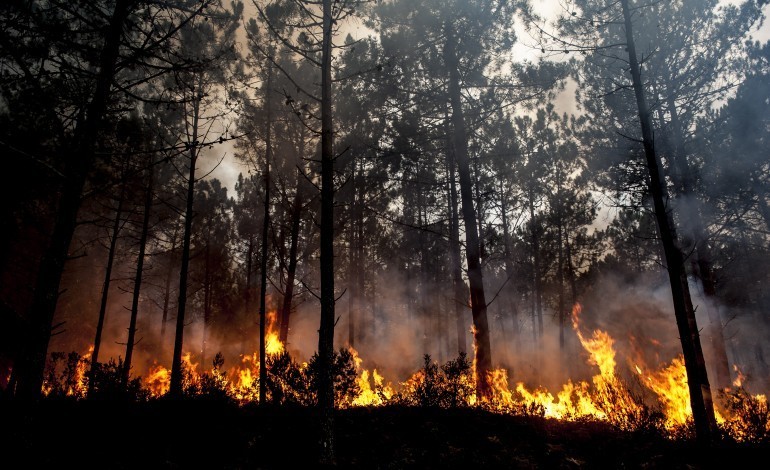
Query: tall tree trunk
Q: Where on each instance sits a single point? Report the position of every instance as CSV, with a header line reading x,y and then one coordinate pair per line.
x,y
175,386
560,276
360,279
206,295
291,270
353,268
326,330
695,365
460,293
167,289
508,260
472,247
696,238
246,346
126,373
537,304
106,285
265,233
29,364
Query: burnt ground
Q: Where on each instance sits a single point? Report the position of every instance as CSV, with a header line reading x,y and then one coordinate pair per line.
x,y
214,435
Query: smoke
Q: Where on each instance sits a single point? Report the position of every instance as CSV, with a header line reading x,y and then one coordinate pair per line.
x,y
399,325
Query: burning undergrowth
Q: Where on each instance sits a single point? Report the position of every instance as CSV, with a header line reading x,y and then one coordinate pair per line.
x,y
632,398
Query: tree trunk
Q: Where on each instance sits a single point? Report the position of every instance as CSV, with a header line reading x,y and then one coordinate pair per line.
x,y
288,294
475,278
206,295
360,280
326,330
353,268
697,377
29,366
126,373
263,251
458,285
537,305
106,286
175,386
696,238
167,289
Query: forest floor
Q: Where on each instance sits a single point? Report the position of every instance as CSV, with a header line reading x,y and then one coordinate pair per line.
x,y
213,435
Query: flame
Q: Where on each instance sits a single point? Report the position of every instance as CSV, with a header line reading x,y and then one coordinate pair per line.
x,y
80,387
158,380
604,397
373,391
670,385
739,377
608,399
273,345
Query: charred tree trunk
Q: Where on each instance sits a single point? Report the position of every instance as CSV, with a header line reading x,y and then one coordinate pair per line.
x,y
175,386
106,285
697,377
138,277
326,330
472,248
29,364
263,251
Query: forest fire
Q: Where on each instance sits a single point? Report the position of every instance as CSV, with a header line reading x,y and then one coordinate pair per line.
x,y
605,398
518,212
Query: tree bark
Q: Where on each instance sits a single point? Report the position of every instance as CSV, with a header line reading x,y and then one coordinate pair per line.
x,y
697,377
472,248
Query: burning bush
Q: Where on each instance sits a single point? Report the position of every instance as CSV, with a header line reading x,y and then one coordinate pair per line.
x,y
448,386
65,375
343,373
107,383
749,416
